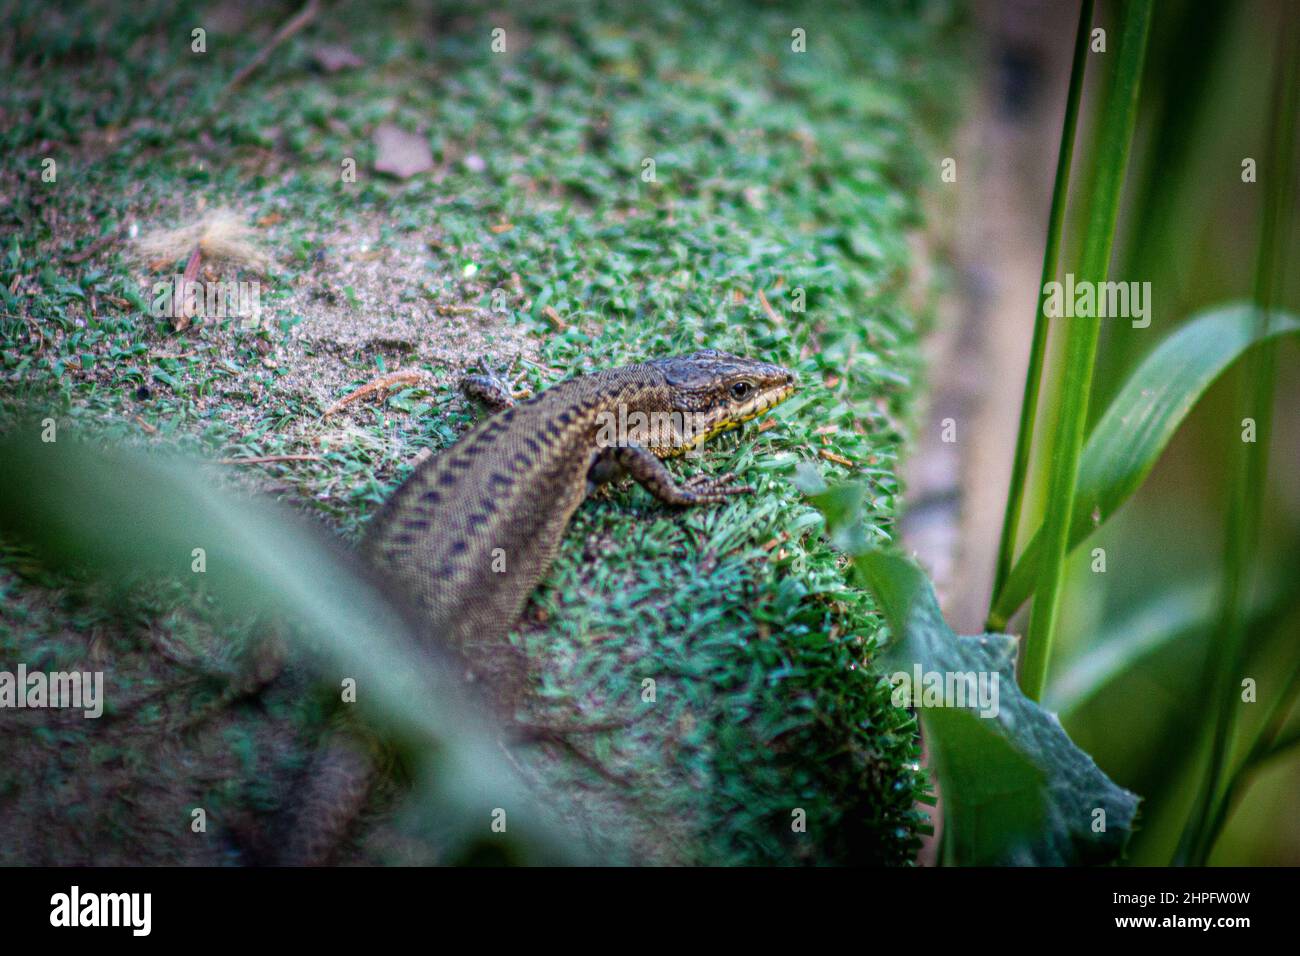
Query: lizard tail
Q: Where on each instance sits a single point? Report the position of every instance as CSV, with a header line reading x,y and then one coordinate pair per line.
x,y
336,791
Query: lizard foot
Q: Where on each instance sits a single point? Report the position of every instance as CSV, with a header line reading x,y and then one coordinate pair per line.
x,y
716,487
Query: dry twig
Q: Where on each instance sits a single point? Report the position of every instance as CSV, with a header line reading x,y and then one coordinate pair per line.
x,y
292,26
772,314
402,376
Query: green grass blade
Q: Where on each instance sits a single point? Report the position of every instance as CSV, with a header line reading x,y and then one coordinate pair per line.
x,y
1137,426
1190,43
1256,385
1168,617
1269,743
1038,346
1118,123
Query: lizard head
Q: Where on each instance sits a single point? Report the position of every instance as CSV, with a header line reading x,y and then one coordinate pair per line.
x,y
716,391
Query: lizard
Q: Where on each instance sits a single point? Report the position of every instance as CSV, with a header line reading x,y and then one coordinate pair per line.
x,y
471,533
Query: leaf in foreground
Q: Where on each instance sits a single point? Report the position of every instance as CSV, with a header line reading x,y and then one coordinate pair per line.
x,y
1018,790
121,514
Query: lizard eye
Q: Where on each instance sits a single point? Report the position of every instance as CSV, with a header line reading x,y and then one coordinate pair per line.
x,y
740,390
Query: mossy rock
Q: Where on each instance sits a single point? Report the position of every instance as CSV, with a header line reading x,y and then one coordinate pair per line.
x,y
784,187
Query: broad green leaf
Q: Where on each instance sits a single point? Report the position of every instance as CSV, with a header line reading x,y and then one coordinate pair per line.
x,y
1131,435
1016,789
122,514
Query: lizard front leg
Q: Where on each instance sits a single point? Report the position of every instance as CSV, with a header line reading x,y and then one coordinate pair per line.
x,y
653,475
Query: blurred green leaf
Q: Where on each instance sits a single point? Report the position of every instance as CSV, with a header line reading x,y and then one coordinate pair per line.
x,y
1167,618
120,515
1133,432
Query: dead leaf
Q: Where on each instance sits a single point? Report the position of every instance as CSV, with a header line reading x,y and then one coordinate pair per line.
x,y
838,459
400,153
554,318
767,307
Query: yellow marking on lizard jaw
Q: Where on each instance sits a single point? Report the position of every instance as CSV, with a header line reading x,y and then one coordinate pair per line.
x,y
725,426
